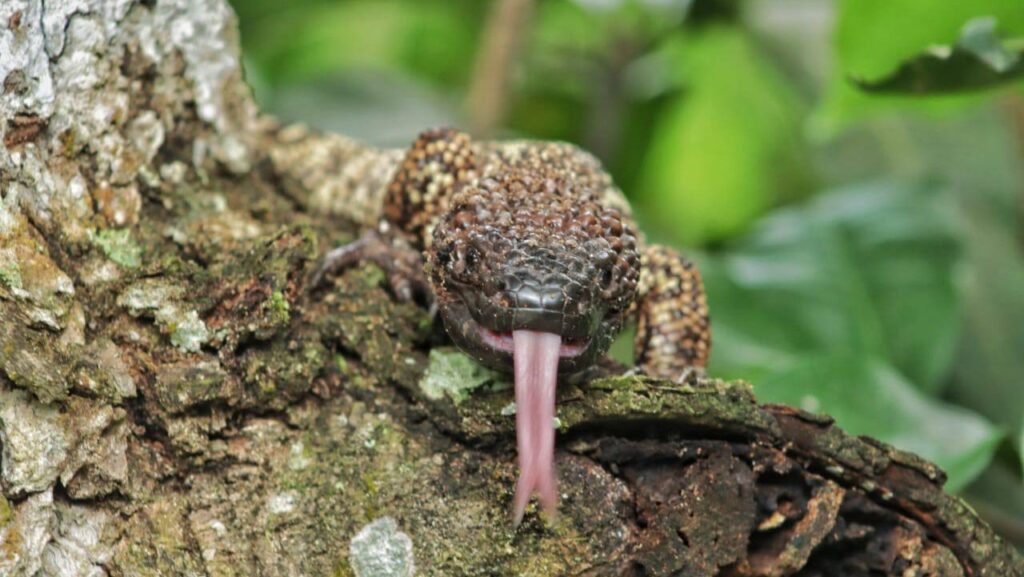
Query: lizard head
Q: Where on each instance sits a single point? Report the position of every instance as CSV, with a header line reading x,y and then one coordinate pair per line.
x,y
525,252
532,274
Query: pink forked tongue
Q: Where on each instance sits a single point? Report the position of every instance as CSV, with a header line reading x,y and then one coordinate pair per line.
x,y
535,356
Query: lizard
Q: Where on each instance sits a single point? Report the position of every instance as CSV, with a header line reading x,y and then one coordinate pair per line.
x,y
529,254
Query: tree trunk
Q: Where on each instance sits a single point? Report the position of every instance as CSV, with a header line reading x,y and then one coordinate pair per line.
x,y
175,400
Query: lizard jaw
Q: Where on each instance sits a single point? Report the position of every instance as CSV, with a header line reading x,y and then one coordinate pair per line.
x,y
485,333
505,342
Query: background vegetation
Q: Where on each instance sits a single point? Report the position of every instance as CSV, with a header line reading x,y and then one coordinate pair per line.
x,y
850,175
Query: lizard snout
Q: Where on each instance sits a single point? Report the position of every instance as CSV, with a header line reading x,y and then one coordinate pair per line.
x,y
533,295
551,307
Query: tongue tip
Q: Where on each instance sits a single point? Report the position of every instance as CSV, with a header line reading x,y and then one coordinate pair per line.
x,y
519,508
546,492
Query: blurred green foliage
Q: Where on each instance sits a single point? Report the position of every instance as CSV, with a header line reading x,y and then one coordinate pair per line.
x,y
847,305
850,175
873,38
738,121
979,59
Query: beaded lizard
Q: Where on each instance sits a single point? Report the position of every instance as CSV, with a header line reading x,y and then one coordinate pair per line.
x,y
530,256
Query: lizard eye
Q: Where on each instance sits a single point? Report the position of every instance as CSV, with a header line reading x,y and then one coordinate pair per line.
x,y
472,254
606,276
444,257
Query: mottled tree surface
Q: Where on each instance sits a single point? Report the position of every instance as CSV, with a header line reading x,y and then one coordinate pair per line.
x,y
175,401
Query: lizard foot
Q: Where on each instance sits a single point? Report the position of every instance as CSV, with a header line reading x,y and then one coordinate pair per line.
x,y
402,264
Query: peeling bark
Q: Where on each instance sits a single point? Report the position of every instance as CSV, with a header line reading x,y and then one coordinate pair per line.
x,y
174,400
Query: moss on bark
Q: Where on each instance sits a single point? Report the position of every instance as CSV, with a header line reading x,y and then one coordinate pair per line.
x,y
176,399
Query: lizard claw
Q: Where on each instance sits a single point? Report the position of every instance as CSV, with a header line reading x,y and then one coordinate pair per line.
x,y
402,264
633,372
690,375
339,258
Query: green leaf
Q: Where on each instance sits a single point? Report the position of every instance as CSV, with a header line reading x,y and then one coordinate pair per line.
x,y
866,396
874,37
728,147
867,269
978,60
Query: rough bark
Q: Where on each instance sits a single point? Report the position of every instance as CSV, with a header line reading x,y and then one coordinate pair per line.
x,y
174,400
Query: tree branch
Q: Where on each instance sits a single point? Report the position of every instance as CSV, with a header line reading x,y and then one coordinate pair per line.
x,y
175,400
487,99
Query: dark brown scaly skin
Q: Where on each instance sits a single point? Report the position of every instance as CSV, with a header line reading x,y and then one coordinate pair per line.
x,y
533,235
529,254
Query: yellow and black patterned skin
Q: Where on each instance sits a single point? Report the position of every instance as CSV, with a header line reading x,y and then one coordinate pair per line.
x,y
673,330
420,192
535,236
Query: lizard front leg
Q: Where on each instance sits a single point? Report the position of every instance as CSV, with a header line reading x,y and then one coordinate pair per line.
x,y
418,194
402,263
673,336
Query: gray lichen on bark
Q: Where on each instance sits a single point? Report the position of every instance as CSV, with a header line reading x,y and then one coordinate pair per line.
x,y
175,401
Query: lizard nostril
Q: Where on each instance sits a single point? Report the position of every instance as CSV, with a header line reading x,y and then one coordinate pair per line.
x,y
444,257
606,277
510,283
